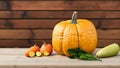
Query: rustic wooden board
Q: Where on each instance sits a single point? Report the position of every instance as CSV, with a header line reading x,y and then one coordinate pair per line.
x,y
50,23
47,34
59,14
110,23
103,43
14,57
4,5
65,5
25,34
29,23
27,42
21,43
108,34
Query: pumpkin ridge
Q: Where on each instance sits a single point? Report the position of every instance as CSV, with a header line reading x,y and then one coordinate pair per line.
x,y
62,39
70,39
77,34
57,39
87,37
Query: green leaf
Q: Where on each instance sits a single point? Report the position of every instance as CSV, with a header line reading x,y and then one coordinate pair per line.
x,y
80,52
72,52
87,57
77,53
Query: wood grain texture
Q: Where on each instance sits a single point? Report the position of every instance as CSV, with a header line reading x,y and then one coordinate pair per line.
x,y
25,34
102,43
21,43
111,23
65,5
4,5
59,14
50,23
14,58
29,23
108,34
29,42
11,14
25,22
67,14
47,34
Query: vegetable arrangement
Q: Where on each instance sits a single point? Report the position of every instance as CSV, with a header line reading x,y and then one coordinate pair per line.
x,y
35,50
75,38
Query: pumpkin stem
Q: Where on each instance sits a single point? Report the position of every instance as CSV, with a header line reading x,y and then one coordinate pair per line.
x,y
74,17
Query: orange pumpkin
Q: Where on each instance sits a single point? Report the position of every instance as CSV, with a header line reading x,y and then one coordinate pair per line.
x,y
74,33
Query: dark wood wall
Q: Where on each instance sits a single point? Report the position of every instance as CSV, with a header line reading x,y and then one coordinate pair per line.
x,y
23,22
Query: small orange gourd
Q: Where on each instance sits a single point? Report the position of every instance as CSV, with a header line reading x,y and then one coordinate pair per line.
x,y
74,33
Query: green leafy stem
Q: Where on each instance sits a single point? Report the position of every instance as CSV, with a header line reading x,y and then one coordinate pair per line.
x,y
77,53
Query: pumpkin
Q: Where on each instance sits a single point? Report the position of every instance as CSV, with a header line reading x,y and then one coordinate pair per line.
x,y
74,33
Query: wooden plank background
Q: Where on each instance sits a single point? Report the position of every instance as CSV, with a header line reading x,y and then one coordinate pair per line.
x,y
25,22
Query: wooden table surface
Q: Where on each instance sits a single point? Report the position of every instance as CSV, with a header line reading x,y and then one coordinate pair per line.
x,y
14,58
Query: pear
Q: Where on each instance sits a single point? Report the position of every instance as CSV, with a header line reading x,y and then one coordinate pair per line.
x,y
108,51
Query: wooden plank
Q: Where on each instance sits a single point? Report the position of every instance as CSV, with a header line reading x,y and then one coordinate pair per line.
x,y
50,23
11,14
32,23
25,34
21,43
14,43
103,43
59,14
65,5
106,23
67,14
15,59
4,5
15,34
5,14
108,34
47,34
29,23
110,23
27,43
